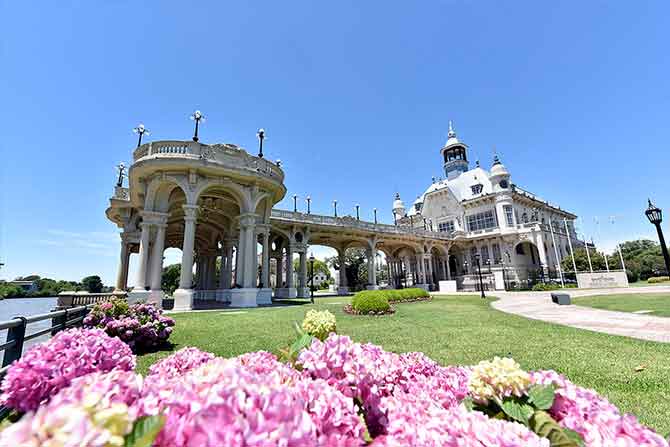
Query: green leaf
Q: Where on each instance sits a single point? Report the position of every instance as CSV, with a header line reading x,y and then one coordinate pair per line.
x,y
144,431
517,410
545,426
542,397
302,342
469,404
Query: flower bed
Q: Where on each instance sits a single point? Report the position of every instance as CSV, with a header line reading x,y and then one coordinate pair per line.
x,y
141,326
338,393
378,302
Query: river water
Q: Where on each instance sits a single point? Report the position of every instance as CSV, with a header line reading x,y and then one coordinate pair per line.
x,y
26,307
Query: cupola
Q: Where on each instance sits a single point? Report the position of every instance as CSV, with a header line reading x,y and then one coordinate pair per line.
x,y
398,206
454,154
499,175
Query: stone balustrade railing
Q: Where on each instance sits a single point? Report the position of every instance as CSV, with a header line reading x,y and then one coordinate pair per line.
x,y
350,222
225,154
73,299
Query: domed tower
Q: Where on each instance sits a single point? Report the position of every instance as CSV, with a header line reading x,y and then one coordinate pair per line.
x,y
455,155
398,207
500,178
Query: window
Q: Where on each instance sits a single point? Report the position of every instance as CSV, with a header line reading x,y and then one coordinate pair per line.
x,y
477,189
481,221
473,256
417,206
496,252
446,227
485,254
509,216
503,184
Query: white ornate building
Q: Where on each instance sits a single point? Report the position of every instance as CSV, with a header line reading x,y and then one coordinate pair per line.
x,y
486,214
215,203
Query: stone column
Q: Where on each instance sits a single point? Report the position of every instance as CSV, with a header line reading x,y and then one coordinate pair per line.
x,y
303,290
183,297
372,271
342,289
448,269
156,295
265,273
224,266
248,263
279,277
140,283
539,241
289,267
123,266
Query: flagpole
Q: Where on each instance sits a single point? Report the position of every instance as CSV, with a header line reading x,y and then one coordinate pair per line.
x,y
588,256
572,253
553,241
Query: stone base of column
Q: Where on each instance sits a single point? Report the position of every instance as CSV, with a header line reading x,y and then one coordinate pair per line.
x,y
156,297
223,295
425,287
286,292
264,296
138,296
343,290
372,287
303,292
243,297
183,300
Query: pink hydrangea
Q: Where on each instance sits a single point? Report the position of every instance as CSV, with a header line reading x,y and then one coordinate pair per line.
x,y
592,416
368,373
180,362
51,366
225,402
98,409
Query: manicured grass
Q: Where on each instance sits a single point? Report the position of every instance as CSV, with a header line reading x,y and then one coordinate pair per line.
x,y
458,330
659,303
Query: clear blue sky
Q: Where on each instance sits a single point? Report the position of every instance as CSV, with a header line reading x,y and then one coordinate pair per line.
x,y
355,97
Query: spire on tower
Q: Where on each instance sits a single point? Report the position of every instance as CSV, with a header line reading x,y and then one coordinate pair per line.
x,y
451,133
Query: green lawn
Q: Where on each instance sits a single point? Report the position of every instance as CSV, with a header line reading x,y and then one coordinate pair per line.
x,y
457,330
658,303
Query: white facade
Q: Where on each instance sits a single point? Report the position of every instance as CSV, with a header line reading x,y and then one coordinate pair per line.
x,y
487,214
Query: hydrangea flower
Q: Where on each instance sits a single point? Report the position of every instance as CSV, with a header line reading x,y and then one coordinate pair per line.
x,y
180,362
51,366
498,378
319,323
98,409
592,416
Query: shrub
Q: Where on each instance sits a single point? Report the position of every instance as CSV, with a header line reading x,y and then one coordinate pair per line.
x,y
52,365
141,326
369,301
633,275
657,279
319,323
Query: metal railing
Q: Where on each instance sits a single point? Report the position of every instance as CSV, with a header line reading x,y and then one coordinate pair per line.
x,y
16,335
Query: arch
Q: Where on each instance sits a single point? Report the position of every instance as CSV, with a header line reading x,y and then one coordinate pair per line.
x,y
240,193
159,191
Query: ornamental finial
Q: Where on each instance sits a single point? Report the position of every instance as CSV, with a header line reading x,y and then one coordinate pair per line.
x,y
452,133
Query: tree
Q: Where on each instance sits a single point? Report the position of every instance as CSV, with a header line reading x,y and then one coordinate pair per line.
x,y
582,261
93,284
356,268
319,267
170,278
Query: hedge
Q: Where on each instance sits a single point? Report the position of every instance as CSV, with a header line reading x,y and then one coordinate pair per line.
x,y
368,301
657,279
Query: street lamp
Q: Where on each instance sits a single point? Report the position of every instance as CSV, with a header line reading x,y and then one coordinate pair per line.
x,y
309,201
261,137
655,216
374,210
311,274
358,215
121,167
488,264
295,203
140,130
197,117
479,272
335,208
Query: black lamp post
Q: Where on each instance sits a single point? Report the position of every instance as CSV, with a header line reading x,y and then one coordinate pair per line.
x,y
335,208
479,272
655,216
122,173
197,117
140,130
311,274
295,203
261,137
424,223
309,202
358,215
374,210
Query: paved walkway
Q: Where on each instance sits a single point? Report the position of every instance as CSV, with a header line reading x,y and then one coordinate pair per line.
x,y
538,306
